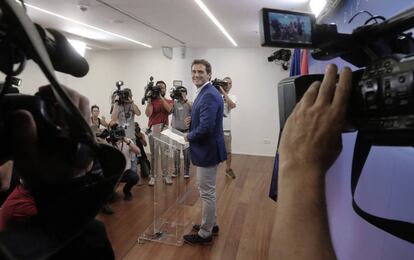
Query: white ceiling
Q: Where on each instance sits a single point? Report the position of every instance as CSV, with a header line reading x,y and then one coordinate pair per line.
x,y
181,19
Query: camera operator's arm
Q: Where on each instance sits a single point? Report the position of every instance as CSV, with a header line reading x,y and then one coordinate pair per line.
x,y
103,122
168,106
149,108
132,147
114,114
310,143
227,99
136,109
186,101
6,170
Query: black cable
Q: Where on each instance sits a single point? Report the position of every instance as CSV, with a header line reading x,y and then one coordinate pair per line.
x,y
373,17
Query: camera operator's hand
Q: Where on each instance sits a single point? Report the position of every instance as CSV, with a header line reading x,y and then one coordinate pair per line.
x,y
187,121
311,138
31,159
222,90
310,143
184,96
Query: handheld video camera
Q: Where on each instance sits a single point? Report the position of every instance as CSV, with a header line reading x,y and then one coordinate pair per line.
x,y
381,106
176,92
123,94
382,101
151,91
217,83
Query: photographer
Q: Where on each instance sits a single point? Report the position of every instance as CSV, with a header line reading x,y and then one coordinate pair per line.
x,y
158,110
96,122
181,113
130,151
124,112
229,104
142,158
310,144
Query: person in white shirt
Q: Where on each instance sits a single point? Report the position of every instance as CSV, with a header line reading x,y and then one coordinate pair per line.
x,y
229,104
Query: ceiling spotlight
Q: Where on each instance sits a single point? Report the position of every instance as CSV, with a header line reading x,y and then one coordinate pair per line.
x,y
83,5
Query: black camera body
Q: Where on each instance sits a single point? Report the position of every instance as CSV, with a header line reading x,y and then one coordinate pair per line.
x,y
382,99
113,135
152,91
217,83
282,55
123,94
176,92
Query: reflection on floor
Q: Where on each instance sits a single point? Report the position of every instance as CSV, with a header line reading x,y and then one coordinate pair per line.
x,y
245,214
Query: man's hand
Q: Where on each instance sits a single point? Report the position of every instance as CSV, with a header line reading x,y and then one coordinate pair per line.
x,y
184,96
187,121
310,143
186,137
311,138
222,90
33,161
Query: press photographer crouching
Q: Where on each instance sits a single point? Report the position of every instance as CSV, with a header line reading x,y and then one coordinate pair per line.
x,y
123,113
181,113
116,137
158,108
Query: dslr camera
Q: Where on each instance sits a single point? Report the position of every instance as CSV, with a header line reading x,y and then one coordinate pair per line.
x,y
123,94
217,83
176,92
151,91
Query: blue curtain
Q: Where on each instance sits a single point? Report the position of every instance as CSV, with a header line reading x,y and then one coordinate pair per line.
x,y
295,63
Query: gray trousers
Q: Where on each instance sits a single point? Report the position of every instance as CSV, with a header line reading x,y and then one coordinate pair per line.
x,y
177,161
206,178
158,150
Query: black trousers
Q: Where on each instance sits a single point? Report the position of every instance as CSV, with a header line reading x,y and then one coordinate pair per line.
x,y
130,178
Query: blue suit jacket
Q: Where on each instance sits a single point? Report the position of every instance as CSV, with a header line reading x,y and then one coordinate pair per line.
x,y
206,131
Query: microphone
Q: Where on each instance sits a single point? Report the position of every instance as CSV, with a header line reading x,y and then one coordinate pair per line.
x,y
62,54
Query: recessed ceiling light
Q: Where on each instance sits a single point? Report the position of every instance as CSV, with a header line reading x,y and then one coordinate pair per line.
x,y
215,21
87,25
317,6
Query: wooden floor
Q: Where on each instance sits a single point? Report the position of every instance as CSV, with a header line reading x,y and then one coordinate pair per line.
x,y
245,214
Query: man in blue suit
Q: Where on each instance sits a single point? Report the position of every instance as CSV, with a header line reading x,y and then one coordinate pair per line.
x,y
206,147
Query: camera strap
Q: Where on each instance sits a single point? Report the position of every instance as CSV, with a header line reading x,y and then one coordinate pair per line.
x,y
398,228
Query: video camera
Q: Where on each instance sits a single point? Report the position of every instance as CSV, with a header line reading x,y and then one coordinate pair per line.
x,y
114,134
381,106
151,91
176,92
382,101
21,40
63,138
217,83
123,95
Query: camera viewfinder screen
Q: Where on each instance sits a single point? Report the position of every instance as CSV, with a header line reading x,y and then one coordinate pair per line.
x,y
290,28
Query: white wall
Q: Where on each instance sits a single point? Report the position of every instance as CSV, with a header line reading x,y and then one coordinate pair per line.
x,y
254,83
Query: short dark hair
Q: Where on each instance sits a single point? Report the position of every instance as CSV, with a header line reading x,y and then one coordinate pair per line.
x,y
202,62
160,82
94,106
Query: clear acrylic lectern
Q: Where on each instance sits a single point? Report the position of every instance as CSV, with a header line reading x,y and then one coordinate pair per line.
x,y
171,202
